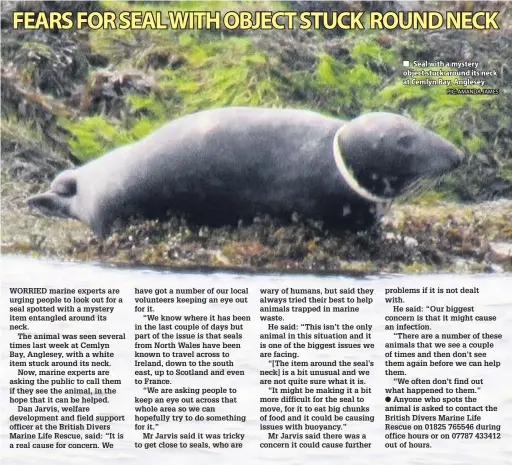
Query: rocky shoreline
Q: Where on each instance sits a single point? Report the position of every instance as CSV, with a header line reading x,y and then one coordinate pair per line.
x,y
412,238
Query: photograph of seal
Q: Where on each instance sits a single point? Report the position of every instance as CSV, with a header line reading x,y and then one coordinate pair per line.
x,y
220,166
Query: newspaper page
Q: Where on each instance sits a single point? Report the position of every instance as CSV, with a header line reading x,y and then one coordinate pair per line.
x,y
256,232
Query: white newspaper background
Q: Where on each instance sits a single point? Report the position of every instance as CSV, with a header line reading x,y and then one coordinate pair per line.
x,y
277,376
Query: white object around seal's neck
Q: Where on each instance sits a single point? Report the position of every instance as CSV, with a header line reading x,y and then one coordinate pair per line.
x,y
349,178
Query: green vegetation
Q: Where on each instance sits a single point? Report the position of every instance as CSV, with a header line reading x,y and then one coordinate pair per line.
x,y
241,77
94,136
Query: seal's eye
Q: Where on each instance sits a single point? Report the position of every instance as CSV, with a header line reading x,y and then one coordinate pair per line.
x,y
405,141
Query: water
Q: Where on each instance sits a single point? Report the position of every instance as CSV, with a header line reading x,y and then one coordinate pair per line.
x,y
494,299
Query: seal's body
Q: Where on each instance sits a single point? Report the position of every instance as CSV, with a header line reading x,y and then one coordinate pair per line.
x,y
220,166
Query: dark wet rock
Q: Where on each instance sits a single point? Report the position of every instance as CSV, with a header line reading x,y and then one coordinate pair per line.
x,y
105,92
29,157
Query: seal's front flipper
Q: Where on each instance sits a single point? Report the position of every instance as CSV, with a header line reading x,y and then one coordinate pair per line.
x,y
50,204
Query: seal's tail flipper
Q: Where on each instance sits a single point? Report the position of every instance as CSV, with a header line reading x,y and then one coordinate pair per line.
x,y
50,204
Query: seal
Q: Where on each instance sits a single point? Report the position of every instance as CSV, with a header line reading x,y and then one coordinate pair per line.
x,y
220,166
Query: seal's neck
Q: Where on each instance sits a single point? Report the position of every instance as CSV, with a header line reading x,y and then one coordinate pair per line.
x,y
361,189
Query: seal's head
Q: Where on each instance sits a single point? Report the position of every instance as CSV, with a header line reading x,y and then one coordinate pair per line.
x,y
58,200
386,152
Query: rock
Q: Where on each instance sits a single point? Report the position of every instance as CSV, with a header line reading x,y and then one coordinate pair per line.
x,y
501,250
409,242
